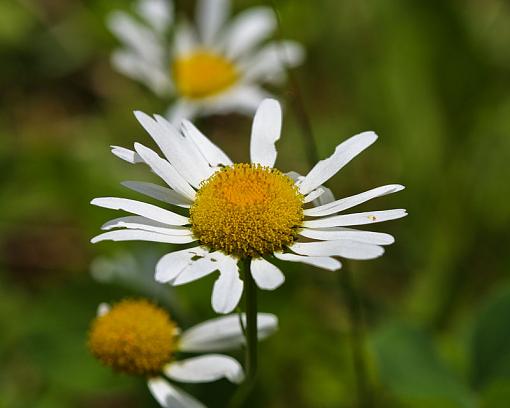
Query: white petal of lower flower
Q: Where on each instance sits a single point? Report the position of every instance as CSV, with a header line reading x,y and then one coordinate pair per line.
x,y
208,368
247,30
210,17
140,208
352,201
166,171
344,153
172,264
126,154
158,192
139,235
266,275
266,129
324,262
169,396
141,223
181,109
369,237
212,153
158,13
271,62
227,289
356,219
315,194
343,248
196,270
224,333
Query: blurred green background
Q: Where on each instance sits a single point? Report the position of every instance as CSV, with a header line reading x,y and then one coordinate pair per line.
x,y
431,77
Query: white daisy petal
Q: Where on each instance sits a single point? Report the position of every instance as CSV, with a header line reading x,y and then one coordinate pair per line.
x,y
315,194
344,153
271,62
247,30
181,153
244,99
212,153
363,218
126,154
141,223
158,192
266,275
139,208
166,171
185,40
158,13
267,125
151,74
102,309
210,17
330,234
196,270
139,235
208,368
180,110
324,262
344,248
224,333
325,198
228,288
352,201
169,396
172,264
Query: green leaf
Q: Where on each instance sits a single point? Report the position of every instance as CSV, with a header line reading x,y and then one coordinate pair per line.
x,y
412,370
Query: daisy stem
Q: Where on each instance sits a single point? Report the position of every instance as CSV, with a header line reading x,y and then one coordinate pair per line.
x,y
251,322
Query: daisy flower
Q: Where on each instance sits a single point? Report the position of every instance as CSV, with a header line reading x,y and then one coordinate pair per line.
x,y
243,211
216,66
137,337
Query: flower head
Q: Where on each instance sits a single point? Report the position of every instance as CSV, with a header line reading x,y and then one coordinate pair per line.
x,y
139,338
243,210
215,66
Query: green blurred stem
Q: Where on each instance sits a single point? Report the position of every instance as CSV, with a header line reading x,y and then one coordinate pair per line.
x,y
353,302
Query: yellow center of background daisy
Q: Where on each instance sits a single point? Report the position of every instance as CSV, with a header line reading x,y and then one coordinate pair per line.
x,y
202,74
134,337
247,211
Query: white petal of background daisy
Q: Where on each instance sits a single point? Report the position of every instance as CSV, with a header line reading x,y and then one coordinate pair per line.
x,y
235,212
212,67
138,338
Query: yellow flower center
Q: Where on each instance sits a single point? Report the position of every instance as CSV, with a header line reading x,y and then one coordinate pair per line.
x,y
135,337
202,74
247,210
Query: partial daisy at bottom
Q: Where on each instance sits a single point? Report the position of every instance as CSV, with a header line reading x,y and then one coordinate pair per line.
x,y
243,211
139,338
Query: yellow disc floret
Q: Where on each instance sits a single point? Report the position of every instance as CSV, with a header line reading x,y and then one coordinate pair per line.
x,y
247,211
202,74
135,337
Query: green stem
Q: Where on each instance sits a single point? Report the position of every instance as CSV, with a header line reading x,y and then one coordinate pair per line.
x,y
251,322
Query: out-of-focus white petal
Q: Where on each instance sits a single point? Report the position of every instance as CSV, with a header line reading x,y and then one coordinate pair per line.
x,y
344,153
102,309
243,99
158,13
169,396
139,235
180,110
208,368
330,234
266,129
344,248
158,192
223,333
185,40
266,275
247,30
352,201
173,263
210,17
324,262
139,208
363,218
228,288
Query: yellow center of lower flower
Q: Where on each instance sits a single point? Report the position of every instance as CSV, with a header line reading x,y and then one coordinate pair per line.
x,y
134,337
247,211
202,74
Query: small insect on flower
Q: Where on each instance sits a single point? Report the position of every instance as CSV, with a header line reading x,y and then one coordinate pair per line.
x,y
137,337
217,66
245,210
